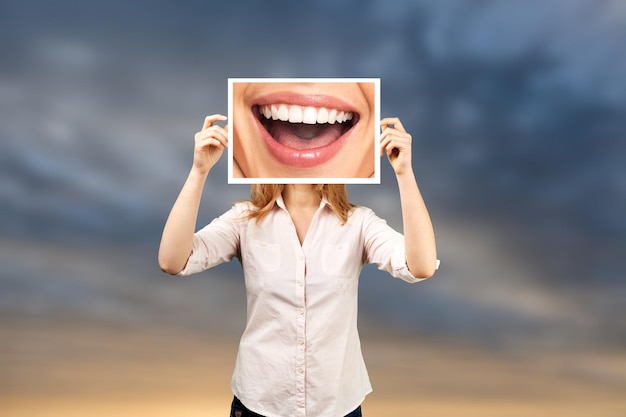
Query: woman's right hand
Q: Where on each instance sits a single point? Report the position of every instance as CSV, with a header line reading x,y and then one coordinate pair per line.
x,y
210,142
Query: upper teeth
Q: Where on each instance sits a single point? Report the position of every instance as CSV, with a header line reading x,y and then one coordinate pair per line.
x,y
300,114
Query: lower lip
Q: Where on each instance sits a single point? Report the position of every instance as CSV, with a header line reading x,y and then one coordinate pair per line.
x,y
302,158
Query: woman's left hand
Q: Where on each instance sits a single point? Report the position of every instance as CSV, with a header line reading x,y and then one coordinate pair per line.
x,y
397,143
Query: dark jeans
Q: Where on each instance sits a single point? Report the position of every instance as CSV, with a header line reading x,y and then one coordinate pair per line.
x,y
237,409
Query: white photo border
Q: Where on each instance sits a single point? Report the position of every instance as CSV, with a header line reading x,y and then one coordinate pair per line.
x,y
306,180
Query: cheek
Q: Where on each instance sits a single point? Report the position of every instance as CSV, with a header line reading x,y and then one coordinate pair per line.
x,y
242,147
364,143
367,89
357,158
240,136
365,148
249,152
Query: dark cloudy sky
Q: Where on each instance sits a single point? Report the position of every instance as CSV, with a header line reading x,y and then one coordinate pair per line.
x,y
517,109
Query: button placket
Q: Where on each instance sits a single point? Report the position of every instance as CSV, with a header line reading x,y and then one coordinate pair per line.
x,y
300,371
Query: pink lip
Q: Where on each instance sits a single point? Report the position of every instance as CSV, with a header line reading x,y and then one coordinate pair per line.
x,y
303,158
313,100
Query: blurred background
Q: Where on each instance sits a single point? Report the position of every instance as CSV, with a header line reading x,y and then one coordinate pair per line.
x,y
518,114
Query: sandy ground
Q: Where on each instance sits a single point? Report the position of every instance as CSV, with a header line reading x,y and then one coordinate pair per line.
x,y
82,370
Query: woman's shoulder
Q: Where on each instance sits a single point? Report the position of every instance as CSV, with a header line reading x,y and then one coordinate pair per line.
x,y
362,211
242,205
361,214
239,211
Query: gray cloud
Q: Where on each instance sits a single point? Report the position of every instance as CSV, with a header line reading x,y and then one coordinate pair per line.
x,y
517,110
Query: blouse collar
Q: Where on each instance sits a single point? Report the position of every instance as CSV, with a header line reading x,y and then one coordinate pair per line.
x,y
281,203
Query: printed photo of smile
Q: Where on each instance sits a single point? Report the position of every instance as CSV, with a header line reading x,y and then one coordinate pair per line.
x,y
296,130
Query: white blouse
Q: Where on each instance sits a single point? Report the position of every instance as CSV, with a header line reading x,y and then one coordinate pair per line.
x,y
300,353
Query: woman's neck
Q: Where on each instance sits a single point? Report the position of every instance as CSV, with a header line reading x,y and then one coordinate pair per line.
x,y
301,196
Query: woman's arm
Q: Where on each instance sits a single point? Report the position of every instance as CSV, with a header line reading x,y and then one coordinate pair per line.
x,y
419,237
177,240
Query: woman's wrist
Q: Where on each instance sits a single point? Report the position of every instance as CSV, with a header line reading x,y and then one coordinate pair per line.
x,y
406,172
199,173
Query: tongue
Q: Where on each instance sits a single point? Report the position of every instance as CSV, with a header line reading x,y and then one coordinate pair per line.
x,y
305,136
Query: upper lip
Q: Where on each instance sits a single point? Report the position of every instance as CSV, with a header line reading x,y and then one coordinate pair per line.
x,y
306,100
299,99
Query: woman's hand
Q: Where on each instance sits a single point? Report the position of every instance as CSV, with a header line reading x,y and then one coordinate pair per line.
x,y
397,143
210,142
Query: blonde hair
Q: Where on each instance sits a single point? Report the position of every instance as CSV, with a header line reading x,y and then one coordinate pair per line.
x,y
263,197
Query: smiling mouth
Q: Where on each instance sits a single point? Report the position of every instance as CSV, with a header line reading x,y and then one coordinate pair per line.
x,y
304,127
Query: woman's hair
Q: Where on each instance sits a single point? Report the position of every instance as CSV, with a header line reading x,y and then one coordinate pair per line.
x,y
263,197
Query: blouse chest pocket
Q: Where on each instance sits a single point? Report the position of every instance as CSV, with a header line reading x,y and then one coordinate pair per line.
x,y
261,256
340,259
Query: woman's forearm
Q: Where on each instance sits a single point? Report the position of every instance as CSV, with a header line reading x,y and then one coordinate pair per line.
x,y
419,236
177,240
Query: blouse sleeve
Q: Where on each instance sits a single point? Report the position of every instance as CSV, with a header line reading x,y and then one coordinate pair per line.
x,y
384,247
216,243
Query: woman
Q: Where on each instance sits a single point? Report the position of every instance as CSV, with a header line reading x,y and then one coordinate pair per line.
x,y
301,248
